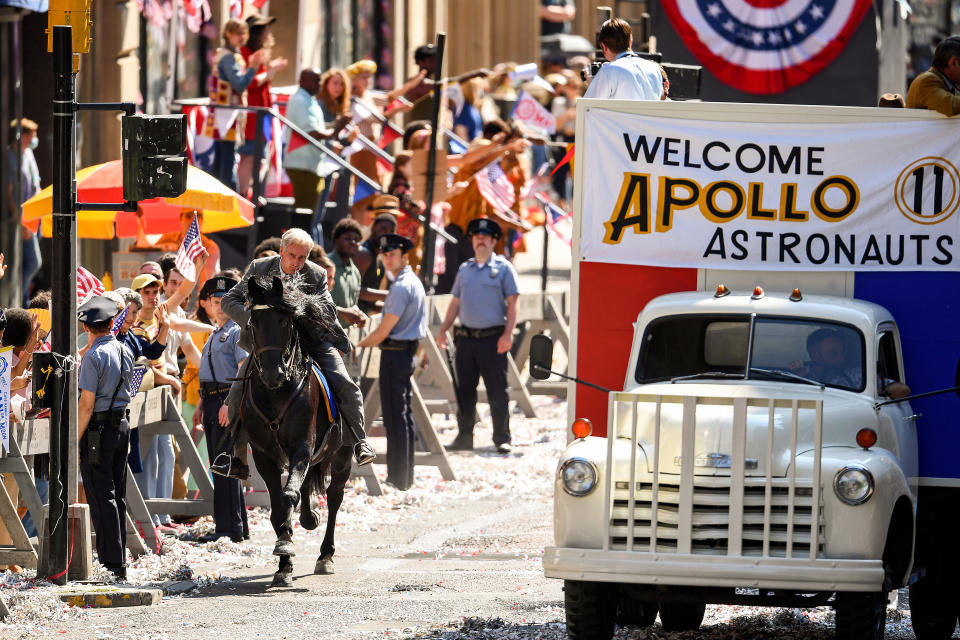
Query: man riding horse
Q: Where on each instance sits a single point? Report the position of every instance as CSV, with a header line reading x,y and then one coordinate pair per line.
x,y
324,347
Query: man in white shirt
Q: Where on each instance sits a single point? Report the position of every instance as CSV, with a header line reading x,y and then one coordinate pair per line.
x,y
626,76
303,161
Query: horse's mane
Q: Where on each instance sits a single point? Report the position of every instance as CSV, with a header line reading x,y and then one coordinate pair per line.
x,y
310,311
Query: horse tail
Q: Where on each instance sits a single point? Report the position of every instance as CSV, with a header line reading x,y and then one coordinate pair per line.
x,y
313,484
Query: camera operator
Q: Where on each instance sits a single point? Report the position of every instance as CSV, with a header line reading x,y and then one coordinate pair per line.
x,y
625,76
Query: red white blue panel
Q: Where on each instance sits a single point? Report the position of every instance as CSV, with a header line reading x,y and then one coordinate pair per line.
x,y
765,46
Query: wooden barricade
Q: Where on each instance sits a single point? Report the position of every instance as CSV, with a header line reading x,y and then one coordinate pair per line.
x,y
435,455
26,439
155,412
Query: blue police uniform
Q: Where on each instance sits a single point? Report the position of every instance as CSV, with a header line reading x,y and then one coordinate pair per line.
x,y
106,370
482,290
407,300
219,362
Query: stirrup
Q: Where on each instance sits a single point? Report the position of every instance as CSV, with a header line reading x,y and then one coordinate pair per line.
x,y
221,464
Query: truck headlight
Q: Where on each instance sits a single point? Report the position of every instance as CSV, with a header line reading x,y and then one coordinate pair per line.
x,y
853,485
578,476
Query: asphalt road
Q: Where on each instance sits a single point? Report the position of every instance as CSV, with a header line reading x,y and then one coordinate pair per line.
x,y
446,560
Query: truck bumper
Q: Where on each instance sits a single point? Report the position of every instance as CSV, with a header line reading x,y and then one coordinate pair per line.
x,y
795,574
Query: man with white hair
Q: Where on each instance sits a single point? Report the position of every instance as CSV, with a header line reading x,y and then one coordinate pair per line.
x,y
295,247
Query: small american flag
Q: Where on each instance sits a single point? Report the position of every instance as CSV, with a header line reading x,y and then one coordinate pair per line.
x,y
495,187
189,251
137,380
118,321
530,186
87,285
558,221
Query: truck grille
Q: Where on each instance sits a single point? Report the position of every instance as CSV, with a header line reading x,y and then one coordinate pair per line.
x,y
730,513
711,517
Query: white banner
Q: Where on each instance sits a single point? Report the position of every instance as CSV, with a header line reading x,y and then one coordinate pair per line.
x,y
870,196
6,365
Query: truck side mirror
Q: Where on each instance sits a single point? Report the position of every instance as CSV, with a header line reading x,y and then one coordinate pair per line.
x,y
541,356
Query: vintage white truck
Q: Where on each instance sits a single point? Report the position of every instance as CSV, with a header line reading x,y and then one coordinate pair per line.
x,y
762,446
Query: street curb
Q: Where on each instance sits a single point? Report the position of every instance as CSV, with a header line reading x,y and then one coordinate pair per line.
x,y
102,597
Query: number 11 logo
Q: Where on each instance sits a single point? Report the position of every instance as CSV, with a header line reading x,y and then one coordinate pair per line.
x,y
928,190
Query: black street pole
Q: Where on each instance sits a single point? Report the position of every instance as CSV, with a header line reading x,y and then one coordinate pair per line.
x,y
546,249
64,297
429,237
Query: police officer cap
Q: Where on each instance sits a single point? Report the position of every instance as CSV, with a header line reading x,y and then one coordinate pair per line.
x,y
391,241
96,310
484,225
216,287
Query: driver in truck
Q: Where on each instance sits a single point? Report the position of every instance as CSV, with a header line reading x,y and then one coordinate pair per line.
x,y
827,363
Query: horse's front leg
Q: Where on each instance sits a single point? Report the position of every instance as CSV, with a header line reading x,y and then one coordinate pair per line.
x,y
339,474
299,464
279,518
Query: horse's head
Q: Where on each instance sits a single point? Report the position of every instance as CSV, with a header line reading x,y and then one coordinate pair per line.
x,y
276,351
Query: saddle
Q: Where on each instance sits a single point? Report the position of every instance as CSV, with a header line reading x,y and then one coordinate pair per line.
x,y
333,438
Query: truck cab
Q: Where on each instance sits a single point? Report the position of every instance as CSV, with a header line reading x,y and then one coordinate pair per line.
x,y
759,453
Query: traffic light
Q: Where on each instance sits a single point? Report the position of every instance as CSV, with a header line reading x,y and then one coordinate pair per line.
x,y
75,13
152,164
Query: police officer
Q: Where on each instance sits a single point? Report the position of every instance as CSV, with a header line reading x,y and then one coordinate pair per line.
x,y
219,362
105,375
625,76
485,298
403,324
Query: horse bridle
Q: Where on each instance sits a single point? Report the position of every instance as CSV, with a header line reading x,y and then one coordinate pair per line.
x,y
291,342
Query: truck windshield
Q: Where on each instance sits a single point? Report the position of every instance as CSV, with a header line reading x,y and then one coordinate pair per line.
x,y
799,350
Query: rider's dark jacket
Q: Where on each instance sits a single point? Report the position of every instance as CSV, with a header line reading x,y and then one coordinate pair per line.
x,y
314,280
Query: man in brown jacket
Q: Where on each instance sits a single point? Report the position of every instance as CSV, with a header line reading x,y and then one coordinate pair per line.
x,y
937,87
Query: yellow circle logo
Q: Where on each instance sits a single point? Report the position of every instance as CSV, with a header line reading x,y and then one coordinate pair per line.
x,y
928,190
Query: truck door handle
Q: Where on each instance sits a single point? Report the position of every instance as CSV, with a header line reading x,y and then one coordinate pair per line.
x,y
912,417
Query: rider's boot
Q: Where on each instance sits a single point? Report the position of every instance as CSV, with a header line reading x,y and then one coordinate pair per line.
x,y
363,452
234,466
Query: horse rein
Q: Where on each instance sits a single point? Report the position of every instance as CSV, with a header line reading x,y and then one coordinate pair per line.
x,y
287,367
288,362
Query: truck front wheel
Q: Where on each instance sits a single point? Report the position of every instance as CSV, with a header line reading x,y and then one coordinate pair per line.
x,y
681,616
861,616
591,609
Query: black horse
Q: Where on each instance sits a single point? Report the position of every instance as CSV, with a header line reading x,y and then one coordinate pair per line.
x,y
287,419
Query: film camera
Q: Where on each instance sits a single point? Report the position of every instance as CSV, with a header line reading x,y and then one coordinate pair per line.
x,y
684,78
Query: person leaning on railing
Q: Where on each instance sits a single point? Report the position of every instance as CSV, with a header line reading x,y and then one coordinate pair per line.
x,y
303,160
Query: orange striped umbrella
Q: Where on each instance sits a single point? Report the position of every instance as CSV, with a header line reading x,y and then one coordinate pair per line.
x,y
222,207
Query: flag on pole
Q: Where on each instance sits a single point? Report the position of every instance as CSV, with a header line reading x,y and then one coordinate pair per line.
x,y
361,191
387,135
530,185
87,285
118,321
189,251
495,187
558,221
137,379
567,157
